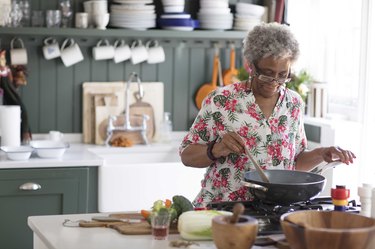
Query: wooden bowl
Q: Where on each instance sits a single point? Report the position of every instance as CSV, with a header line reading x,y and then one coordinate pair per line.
x,y
240,235
328,229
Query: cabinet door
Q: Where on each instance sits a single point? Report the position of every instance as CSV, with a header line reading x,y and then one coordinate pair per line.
x,y
62,191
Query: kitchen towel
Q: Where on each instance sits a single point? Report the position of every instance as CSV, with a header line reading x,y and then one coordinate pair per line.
x,y
10,125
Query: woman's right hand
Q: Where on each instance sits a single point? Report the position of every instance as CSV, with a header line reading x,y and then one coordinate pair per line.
x,y
230,142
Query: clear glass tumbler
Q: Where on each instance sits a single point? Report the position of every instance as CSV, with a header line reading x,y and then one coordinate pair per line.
x,y
53,18
160,225
37,18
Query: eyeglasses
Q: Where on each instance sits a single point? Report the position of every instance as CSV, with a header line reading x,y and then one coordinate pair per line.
x,y
269,79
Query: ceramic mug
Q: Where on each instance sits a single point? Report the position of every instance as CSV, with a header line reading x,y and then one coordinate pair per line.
x,y
70,52
18,56
122,51
51,49
103,52
156,52
139,52
56,135
82,20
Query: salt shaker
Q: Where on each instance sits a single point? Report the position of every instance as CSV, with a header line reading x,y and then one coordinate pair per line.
x,y
365,193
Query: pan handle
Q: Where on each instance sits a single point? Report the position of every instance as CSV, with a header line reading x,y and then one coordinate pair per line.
x,y
321,168
254,186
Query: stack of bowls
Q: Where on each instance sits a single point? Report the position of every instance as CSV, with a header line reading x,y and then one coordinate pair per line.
x,y
181,22
173,6
215,15
133,14
247,16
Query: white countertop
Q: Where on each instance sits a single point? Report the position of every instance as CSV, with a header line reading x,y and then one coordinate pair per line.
x,y
74,156
80,154
49,231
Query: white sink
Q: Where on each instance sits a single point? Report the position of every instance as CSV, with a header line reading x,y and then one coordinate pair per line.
x,y
133,178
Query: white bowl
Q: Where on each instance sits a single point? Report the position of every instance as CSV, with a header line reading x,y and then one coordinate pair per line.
x,y
49,148
250,9
174,8
213,4
17,153
173,2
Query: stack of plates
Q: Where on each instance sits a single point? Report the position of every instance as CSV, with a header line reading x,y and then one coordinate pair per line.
x,y
133,14
182,22
247,16
215,14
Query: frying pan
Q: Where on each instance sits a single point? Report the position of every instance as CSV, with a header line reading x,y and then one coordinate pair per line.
x,y
230,75
206,88
285,186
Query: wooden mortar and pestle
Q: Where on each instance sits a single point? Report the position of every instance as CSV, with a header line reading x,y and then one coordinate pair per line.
x,y
234,232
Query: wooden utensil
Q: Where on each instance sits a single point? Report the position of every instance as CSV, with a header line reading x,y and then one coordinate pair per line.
x,y
238,209
257,167
206,88
230,75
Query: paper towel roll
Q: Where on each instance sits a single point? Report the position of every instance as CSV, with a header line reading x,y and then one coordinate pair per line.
x,y
10,125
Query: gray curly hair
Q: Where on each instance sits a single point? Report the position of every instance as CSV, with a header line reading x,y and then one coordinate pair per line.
x,y
270,39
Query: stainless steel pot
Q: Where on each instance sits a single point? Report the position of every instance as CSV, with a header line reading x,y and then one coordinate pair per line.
x,y
286,186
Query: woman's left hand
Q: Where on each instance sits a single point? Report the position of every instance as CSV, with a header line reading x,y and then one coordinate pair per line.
x,y
335,153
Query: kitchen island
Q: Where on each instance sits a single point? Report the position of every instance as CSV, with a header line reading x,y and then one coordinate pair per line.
x,y
49,233
88,179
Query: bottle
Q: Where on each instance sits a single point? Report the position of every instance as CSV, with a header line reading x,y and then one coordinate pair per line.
x,y
166,128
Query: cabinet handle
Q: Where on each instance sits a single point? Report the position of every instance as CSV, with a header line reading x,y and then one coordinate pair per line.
x,y
30,186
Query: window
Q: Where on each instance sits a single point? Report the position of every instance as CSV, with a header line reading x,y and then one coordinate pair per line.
x,y
329,32
336,40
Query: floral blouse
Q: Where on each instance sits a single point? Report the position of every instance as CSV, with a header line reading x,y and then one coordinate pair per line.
x,y
274,142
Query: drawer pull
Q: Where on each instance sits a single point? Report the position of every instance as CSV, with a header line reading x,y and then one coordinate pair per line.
x,y
30,186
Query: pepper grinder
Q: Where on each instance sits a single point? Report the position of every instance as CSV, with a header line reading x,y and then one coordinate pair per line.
x,y
340,197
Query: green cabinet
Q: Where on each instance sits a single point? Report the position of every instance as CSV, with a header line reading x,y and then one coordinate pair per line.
x,y
42,191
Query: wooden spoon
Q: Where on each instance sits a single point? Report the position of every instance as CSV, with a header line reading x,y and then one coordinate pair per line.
x,y
257,167
230,75
238,209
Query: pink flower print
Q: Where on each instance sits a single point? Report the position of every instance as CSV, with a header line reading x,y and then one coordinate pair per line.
x,y
281,128
251,142
294,100
295,113
201,125
216,183
226,93
220,126
231,105
251,110
238,87
208,101
224,182
240,164
195,138
232,196
243,131
217,199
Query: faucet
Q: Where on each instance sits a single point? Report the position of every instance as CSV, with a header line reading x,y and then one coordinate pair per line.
x,y
112,127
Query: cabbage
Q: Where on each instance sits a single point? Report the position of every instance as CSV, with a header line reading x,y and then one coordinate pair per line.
x,y
197,225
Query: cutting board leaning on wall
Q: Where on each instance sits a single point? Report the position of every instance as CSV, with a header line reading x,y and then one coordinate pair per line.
x,y
112,102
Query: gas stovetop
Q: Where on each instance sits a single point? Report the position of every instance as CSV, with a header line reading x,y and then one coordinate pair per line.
x,y
268,215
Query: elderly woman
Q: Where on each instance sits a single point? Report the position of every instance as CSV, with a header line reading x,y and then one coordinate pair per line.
x,y
259,114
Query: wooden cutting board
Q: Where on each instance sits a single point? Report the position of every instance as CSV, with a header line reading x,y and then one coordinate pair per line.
x,y
90,91
142,228
154,94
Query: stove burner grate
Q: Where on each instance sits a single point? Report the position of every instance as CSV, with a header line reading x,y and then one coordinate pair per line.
x,y
268,215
